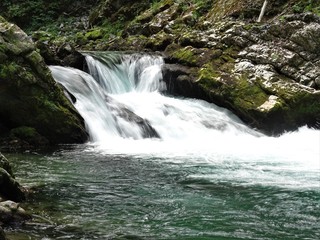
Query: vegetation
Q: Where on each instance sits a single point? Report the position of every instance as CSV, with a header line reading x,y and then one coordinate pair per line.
x,y
34,14
307,6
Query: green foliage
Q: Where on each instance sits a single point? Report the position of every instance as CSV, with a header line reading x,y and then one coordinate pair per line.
x,y
94,34
113,28
31,15
307,6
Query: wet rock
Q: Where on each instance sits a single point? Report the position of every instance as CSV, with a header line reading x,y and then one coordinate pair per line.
x,y
4,163
11,213
122,113
9,187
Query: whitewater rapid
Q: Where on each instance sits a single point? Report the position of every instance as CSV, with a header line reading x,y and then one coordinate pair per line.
x,y
191,131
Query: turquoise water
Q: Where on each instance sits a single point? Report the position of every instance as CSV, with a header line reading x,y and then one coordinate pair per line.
x,y
86,193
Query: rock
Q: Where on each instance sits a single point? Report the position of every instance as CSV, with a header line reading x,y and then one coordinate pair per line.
x,y
29,96
12,213
4,163
262,73
2,235
9,187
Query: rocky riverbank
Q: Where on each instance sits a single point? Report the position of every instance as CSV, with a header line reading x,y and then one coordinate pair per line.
x,y
11,193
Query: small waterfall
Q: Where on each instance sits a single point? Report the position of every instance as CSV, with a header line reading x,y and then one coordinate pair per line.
x,y
129,72
121,97
90,101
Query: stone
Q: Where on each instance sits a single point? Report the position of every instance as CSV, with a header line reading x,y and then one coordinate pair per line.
x,y
4,163
9,187
269,104
12,213
29,96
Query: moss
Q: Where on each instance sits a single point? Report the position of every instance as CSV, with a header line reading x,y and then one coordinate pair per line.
x,y
24,133
304,107
247,95
94,34
209,77
307,6
8,70
236,90
80,38
159,41
186,56
159,6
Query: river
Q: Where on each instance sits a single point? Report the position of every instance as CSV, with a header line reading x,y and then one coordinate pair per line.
x,y
204,175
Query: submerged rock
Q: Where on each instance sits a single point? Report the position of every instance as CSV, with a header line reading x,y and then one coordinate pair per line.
x,y
29,96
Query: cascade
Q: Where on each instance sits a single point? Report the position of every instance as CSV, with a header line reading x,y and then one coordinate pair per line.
x,y
121,97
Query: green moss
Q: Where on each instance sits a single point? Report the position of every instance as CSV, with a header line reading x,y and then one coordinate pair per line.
x,y
7,71
186,56
94,34
236,90
307,6
23,133
209,77
247,95
159,6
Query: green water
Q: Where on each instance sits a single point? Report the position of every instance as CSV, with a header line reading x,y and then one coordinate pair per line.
x,y
85,194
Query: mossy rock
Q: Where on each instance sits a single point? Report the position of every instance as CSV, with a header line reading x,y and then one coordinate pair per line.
x,y
159,42
186,56
29,135
29,96
94,34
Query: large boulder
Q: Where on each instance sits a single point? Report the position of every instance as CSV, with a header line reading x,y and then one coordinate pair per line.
x,y
29,96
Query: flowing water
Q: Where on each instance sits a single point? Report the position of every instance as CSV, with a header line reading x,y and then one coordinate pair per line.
x,y
158,167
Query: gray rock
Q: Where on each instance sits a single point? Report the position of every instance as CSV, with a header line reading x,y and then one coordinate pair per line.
x,y
4,163
12,213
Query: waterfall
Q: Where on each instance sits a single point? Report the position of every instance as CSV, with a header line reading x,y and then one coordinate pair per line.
x,y
125,112
120,73
121,97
